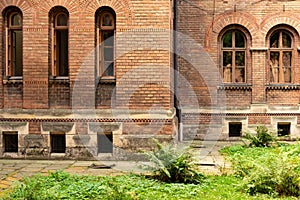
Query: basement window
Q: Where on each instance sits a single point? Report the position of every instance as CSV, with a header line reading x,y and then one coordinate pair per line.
x,y
235,129
10,140
58,142
283,128
105,142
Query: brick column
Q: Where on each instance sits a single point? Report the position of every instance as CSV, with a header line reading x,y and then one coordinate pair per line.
x,y
258,75
35,67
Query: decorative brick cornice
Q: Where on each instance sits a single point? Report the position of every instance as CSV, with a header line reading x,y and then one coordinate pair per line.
x,y
283,87
108,120
191,115
235,87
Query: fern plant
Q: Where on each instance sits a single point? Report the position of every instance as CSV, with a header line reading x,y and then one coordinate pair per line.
x,y
172,166
262,138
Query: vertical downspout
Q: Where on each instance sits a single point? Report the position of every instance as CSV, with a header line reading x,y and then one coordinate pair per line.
x,y
176,103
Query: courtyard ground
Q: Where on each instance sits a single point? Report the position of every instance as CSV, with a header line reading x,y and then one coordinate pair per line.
x,y
207,154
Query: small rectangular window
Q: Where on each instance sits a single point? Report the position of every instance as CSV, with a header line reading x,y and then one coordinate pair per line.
x,y
283,128
105,142
235,129
10,141
58,142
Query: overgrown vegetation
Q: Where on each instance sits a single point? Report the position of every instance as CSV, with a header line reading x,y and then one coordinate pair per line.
x,y
274,170
263,137
61,185
171,165
261,171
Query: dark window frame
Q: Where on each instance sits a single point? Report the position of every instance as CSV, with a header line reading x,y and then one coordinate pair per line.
x,y
59,43
229,72
105,42
278,72
10,141
58,142
285,128
235,134
13,44
105,142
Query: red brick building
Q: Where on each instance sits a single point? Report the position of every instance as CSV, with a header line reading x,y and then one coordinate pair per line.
x,y
94,78
255,47
84,78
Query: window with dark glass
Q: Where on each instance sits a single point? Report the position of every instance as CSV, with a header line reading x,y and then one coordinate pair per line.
x,y
60,38
105,38
280,57
14,49
105,142
10,141
58,142
235,129
283,128
233,56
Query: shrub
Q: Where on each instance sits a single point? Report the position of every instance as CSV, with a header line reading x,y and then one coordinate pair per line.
x,y
172,166
262,138
273,171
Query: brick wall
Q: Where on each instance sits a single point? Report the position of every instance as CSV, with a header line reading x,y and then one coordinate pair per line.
x,y
143,68
202,22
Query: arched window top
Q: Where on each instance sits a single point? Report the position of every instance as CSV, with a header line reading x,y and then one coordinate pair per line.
x,y
15,19
105,18
281,39
281,54
61,19
233,39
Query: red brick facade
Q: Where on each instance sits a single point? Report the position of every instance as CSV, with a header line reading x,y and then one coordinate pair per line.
x,y
181,69
133,106
258,99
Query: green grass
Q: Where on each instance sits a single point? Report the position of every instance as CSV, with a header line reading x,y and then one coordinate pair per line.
x,y
61,185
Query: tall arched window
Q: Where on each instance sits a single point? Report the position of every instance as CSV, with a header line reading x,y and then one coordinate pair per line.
x,y
59,40
14,43
281,56
233,56
105,22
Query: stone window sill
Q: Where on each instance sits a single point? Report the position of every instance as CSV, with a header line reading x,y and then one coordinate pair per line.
x,y
13,80
59,79
107,80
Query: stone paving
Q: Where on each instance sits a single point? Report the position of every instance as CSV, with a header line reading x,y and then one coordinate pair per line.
x,y
210,161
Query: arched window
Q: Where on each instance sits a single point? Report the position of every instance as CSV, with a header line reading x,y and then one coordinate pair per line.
x,y
280,56
105,22
60,39
14,43
233,56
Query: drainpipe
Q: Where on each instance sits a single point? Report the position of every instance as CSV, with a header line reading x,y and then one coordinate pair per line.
x,y
176,103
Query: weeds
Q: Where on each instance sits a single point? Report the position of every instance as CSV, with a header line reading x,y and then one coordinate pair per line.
x,y
262,138
173,166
